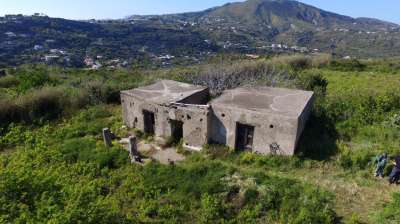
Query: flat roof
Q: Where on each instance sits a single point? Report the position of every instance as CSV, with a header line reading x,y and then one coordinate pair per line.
x,y
165,92
279,101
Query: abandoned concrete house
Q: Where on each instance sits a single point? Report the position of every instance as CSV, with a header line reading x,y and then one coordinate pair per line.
x,y
262,119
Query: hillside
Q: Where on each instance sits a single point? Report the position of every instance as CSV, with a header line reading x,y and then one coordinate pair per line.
x,y
254,26
34,39
54,167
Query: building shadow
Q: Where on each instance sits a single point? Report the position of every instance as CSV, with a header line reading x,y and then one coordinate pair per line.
x,y
319,139
218,131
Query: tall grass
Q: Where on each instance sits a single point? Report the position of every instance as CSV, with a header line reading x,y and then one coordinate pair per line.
x,y
32,94
301,62
42,104
47,103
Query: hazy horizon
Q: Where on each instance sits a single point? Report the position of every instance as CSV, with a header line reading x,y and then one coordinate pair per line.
x,y
104,9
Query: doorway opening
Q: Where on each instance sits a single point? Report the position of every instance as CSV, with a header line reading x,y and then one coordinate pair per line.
x,y
244,137
149,122
176,131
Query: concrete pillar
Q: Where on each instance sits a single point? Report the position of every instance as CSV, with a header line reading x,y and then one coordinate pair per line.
x,y
132,146
107,137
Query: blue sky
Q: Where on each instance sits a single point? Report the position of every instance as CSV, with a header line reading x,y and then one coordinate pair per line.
x,y
102,9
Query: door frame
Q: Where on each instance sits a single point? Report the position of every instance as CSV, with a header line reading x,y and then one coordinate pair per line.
x,y
249,130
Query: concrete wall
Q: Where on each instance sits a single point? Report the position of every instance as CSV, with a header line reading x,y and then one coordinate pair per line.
x,y
269,129
203,124
195,124
132,109
195,119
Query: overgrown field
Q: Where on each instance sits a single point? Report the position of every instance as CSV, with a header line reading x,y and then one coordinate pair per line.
x,y
54,168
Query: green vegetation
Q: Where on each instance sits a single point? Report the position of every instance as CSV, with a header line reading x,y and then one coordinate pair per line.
x,y
54,167
63,174
391,211
28,92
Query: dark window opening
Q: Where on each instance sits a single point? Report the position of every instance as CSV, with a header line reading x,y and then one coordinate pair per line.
x,y
149,122
244,137
176,131
188,117
271,126
223,115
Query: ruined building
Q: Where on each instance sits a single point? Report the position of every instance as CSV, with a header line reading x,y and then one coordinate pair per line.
x,y
262,120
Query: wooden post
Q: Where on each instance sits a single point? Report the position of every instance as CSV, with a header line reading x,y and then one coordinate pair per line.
x,y
107,137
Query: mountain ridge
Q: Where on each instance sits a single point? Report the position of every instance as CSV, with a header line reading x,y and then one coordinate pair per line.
x,y
250,27
260,2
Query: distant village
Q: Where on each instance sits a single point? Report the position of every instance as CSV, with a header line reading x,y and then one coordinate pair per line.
x,y
45,52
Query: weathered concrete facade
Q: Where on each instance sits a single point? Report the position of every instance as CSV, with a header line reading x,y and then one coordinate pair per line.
x,y
263,120
275,116
166,103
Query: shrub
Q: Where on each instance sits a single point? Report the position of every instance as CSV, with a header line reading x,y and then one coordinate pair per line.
x,y
321,60
277,161
217,151
8,82
347,65
101,92
298,63
355,219
282,204
390,213
270,161
44,104
88,122
354,159
210,209
86,150
220,77
9,112
313,82
345,161
293,62
248,158
38,105
29,79
14,136
78,99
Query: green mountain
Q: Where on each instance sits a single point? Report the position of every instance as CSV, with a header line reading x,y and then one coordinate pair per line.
x,y
254,26
260,23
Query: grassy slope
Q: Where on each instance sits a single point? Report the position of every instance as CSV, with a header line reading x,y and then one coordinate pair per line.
x,y
353,83
357,193
359,196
